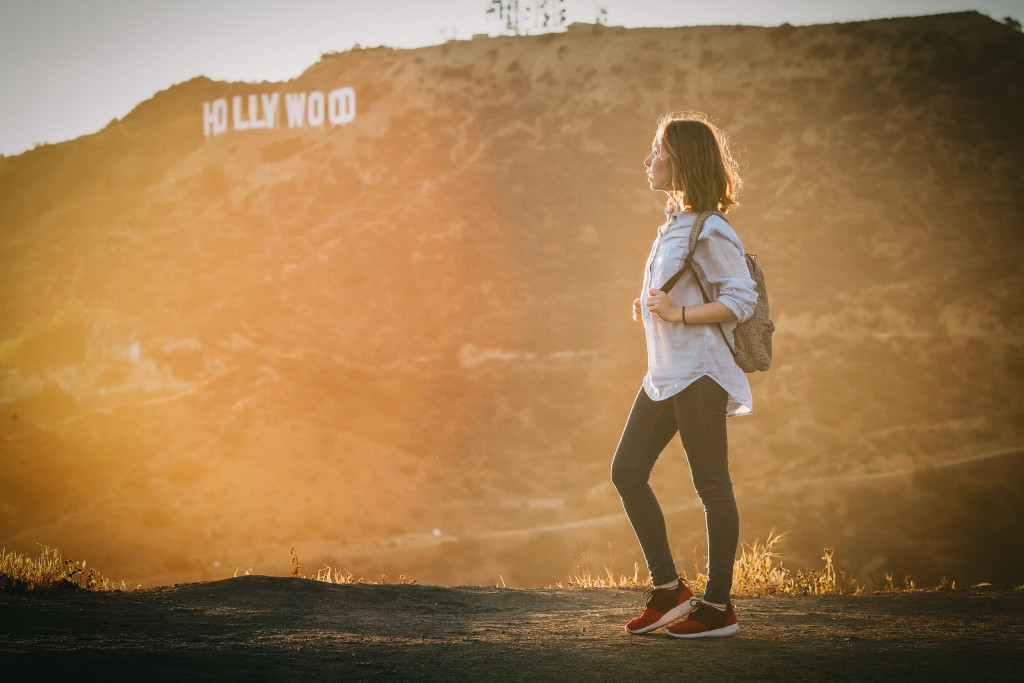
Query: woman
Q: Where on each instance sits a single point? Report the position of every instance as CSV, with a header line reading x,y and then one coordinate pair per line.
x,y
692,383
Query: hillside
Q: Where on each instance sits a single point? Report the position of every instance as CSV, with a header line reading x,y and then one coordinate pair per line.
x,y
403,343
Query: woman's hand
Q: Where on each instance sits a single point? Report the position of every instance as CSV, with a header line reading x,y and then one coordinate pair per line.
x,y
659,303
637,313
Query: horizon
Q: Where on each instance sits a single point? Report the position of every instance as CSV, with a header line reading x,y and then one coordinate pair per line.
x,y
65,74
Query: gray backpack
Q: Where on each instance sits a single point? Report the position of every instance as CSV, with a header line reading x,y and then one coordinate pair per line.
x,y
753,337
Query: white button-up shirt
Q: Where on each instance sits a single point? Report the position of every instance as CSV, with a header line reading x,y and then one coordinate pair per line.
x,y
679,354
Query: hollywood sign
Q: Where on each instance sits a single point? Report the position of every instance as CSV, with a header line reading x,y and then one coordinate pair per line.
x,y
314,109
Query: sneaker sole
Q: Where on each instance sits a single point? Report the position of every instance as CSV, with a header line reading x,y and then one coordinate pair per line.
x,y
730,630
674,614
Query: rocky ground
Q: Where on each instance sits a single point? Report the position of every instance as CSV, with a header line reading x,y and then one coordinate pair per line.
x,y
271,628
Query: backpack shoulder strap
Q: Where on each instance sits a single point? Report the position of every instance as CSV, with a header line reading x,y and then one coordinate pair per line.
x,y
698,228
699,225
695,231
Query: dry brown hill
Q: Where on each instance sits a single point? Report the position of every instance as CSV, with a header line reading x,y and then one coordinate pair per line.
x,y
404,343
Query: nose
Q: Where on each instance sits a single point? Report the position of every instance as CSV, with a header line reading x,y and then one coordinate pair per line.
x,y
647,161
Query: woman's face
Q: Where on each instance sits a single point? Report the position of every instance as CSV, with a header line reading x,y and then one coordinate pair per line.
x,y
659,170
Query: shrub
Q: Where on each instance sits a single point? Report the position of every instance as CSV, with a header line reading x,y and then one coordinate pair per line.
x,y
50,571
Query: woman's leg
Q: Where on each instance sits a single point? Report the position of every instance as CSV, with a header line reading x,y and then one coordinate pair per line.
x,y
649,428
700,414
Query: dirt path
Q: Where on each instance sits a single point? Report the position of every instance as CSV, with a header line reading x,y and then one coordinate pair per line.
x,y
272,628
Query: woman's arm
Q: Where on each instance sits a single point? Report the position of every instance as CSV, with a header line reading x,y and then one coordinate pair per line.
x,y
714,312
724,269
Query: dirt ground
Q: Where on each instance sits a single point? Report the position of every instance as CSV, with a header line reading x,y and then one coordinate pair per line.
x,y
272,628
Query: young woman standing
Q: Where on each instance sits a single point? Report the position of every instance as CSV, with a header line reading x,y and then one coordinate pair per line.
x,y
692,383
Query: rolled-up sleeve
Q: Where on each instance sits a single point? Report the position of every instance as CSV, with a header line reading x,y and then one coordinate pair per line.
x,y
720,263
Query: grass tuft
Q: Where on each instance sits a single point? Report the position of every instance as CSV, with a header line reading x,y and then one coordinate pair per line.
x,y
48,571
757,573
341,575
583,576
910,586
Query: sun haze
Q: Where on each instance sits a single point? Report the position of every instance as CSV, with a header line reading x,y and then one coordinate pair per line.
x,y
397,335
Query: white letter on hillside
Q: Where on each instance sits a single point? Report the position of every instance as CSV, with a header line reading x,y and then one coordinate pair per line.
x,y
236,113
269,109
215,117
295,106
254,107
315,114
341,106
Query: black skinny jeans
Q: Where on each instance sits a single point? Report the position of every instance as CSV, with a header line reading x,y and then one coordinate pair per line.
x,y
698,414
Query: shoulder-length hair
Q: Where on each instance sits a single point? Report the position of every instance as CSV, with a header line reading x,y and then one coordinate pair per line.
x,y
705,176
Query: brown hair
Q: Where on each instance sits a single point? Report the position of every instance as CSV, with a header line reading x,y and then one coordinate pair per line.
x,y
705,176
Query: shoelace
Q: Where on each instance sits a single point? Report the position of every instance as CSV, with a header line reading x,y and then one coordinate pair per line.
x,y
649,593
698,606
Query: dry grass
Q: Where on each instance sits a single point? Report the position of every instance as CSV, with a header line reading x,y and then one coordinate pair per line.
x,y
583,577
909,585
341,575
50,571
757,573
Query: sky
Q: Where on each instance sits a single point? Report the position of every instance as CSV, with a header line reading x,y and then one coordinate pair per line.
x,y
69,67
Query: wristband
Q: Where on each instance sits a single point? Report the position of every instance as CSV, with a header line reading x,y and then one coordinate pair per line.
x,y
683,312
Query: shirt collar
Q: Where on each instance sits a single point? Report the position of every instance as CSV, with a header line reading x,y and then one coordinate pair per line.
x,y
673,215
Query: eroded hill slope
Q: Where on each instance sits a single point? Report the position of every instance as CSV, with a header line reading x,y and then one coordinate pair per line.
x,y
393,341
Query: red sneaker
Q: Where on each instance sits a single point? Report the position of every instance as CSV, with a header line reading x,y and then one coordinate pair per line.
x,y
664,605
706,622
